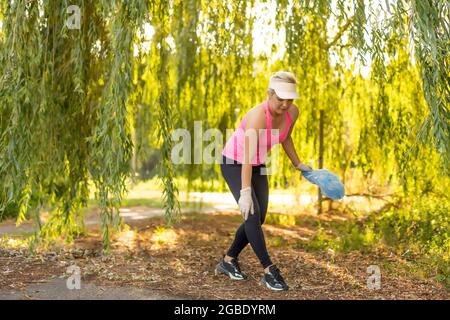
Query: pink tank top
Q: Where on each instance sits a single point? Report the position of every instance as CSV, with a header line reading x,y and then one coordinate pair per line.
x,y
234,148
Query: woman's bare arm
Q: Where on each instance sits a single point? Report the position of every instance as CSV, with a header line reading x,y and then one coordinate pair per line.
x,y
288,144
254,122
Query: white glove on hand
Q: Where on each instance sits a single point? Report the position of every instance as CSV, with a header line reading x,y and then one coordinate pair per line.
x,y
246,203
303,167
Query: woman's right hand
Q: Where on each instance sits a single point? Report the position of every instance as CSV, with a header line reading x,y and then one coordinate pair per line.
x,y
246,203
303,167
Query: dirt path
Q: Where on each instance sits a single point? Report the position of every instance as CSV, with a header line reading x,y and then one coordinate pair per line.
x,y
56,289
151,262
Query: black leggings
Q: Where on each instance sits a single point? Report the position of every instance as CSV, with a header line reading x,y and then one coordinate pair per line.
x,y
250,230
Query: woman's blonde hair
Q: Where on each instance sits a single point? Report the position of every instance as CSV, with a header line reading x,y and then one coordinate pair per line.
x,y
282,76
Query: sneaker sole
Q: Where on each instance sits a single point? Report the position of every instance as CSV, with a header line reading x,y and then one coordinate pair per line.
x,y
264,283
219,270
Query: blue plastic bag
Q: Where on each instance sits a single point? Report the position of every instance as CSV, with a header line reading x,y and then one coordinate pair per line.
x,y
329,183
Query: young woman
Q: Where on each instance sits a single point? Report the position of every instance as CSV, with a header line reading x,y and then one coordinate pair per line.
x,y
243,167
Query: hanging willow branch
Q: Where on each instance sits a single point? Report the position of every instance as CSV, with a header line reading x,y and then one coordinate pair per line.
x,y
112,140
430,31
172,207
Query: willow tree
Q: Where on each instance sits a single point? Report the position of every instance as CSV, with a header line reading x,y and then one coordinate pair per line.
x,y
209,65
63,95
68,98
365,31
216,75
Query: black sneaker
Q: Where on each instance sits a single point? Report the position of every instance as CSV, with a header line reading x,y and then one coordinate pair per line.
x,y
231,269
273,280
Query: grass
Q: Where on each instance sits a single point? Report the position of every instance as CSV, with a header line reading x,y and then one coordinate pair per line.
x,y
419,235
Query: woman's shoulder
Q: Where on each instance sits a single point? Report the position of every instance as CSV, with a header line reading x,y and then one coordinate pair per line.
x,y
293,112
256,116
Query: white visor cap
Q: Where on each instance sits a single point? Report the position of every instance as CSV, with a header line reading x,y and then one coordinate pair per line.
x,y
284,90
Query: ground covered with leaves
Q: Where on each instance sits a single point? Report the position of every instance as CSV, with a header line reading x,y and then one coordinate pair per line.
x,y
180,262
